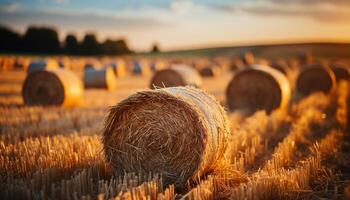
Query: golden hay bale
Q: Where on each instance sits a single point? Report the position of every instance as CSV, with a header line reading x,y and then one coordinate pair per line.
x,y
141,67
52,87
179,132
47,64
176,75
248,58
341,71
99,78
236,64
315,78
210,71
119,68
281,65
258,88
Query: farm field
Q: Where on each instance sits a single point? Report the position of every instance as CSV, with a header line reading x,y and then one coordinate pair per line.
x,y
301,151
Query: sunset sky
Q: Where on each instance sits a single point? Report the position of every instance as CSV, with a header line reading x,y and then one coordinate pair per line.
x,y
180,24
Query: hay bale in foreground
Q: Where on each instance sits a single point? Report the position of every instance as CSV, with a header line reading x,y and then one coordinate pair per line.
x,y
341,71
257,88
48,64
99,78
179,132
176,75
52,87
315,78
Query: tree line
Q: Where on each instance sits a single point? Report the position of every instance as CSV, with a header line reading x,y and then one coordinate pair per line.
x,y
43,40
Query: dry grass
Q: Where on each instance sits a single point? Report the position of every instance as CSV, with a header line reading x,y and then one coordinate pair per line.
x,y
56,153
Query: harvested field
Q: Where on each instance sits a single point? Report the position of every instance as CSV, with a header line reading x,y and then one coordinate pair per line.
x,y
172,143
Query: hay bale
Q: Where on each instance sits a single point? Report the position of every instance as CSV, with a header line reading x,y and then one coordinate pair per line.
x,y
47,64
141,67
281,65
210,71
341,71
99,78
119,68
179,132
248,58
52,87
176,75
257,88
315,78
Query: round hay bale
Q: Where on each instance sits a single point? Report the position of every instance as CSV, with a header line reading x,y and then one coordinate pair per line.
x,y
257,88
248,58
281,66
236,64
52,87
99,78
37,65
176,75
119,68
341,71
210,71
315,78
141,68
179,132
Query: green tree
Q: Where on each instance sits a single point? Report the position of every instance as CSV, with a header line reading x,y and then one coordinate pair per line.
x,y
90,45
71,44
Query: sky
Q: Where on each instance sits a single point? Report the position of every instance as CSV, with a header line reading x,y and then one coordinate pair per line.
x,y
185,24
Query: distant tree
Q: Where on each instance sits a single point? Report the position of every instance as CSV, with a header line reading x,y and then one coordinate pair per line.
x,y
115,47
90,45
71,44
9,40
41,40
155,49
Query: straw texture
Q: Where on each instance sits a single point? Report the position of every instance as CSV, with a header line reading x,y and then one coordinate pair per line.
x,y
315,78
257,88
52,87
341,71
179,132
176,75
47,64
103,78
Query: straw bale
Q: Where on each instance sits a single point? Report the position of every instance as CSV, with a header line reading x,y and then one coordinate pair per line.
x,y
176,75
52,87
258,88
180,132
315,78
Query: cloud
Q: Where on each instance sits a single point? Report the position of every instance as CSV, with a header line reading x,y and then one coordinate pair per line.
x,y
9,8
180,6
319,12
76,20
312,2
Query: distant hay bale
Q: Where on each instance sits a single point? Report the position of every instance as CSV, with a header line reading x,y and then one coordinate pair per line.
x,y
257,88
176,75
236,64
210,71
52,87
306,58
99,78
119,68
341,71
281,66
248,58
315,78
141,68
47,64
179,132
